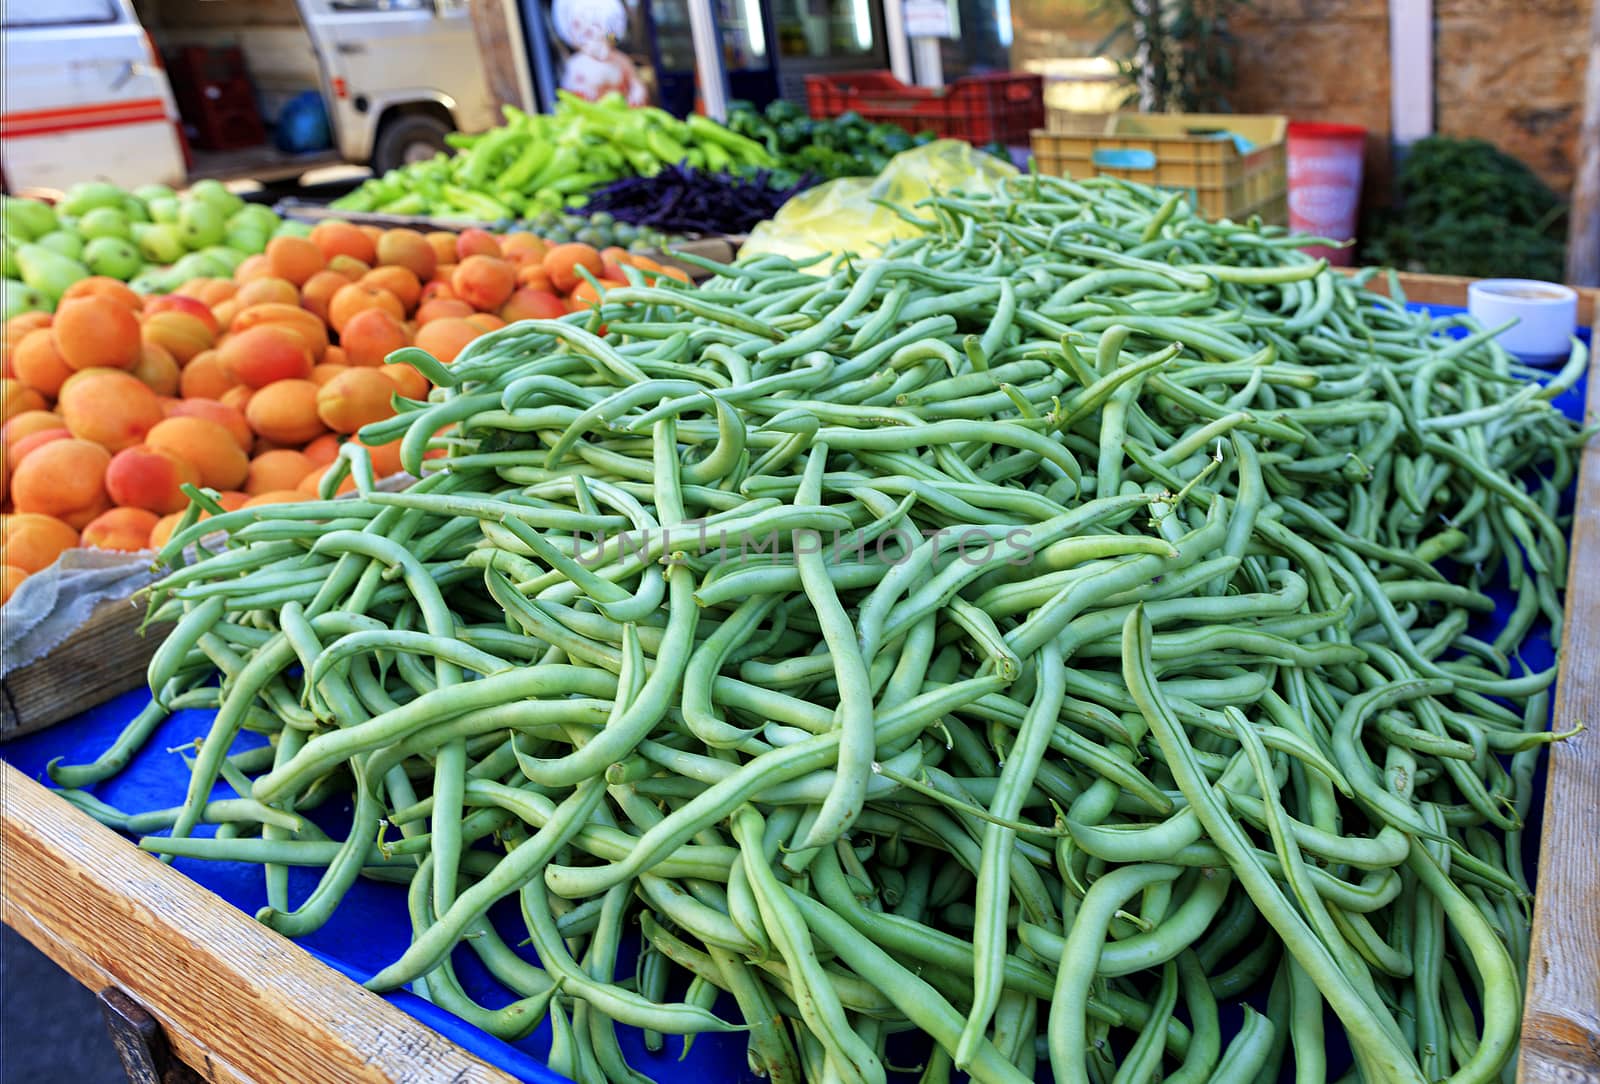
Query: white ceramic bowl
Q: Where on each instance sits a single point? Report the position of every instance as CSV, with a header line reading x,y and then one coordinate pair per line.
x,y
1546,315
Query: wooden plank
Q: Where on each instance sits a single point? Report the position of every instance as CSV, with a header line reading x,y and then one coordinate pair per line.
x,y
1561,1012
105,657
238,1002
498,44
1583,220
1452,290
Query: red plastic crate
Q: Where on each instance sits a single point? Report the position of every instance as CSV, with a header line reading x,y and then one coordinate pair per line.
x,y
999,108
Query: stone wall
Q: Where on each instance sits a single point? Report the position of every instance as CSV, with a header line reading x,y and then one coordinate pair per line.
x,y
1508,71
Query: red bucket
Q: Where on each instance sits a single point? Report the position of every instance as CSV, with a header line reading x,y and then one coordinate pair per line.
x,y
1325,183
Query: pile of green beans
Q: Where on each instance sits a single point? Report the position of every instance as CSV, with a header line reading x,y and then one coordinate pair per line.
x,y
1047,637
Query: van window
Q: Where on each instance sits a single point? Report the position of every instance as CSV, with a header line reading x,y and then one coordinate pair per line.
x,y
58,12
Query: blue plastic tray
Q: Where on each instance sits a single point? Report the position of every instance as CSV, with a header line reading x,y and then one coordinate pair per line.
x,y
370,929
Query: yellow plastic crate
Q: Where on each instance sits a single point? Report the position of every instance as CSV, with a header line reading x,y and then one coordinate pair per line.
x,y
1190,152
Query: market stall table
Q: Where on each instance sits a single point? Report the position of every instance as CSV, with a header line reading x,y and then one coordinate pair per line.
x,y
238,1002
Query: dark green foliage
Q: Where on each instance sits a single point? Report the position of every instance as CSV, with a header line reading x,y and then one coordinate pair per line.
x,y
1463,207
1180,56
846,146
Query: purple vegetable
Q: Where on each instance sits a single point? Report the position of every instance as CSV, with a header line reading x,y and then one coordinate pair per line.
x,y
684,200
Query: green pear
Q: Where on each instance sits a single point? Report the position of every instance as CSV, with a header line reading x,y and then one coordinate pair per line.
x,y
26,219
201,225
48,271
147,192
247,239
255,215
290,228
135,211
104,222
83,198
8,259
164,210
216,195
155,280
225,254
199,265
114,257
66,242
18,297
160,243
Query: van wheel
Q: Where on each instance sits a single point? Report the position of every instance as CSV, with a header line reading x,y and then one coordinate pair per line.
x,y
409,137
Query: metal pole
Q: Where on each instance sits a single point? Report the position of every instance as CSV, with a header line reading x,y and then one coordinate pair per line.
x,y
1583,228
894,29
708,59
930,65
539,60
1410,70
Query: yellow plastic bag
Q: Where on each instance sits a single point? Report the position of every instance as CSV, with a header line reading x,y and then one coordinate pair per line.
x,y
840,216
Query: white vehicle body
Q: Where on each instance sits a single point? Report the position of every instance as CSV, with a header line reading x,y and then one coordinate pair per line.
x,y
86,96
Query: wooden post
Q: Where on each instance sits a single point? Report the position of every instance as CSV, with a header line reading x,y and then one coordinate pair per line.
x,y
1583,234
500,47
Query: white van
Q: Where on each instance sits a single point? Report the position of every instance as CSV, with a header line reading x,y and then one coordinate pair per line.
x,y
86,96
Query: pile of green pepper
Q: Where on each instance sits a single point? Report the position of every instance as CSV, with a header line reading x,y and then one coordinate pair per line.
x,y
541,162
845,146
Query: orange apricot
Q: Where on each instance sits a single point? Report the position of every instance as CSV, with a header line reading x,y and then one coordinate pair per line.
x,y
275,496
408,249
443,243
435,308
149,478
217,411
180,303
161,533
110,407
372,335
535,277
326,372
359,297
476,242
237,397
294,258
348,266
96,333
385,457
281,468
205,445
267,291
437,290
63,478
158,369
308,325
232,499
311,484
562,263
319,290
11,578
446,338
521,248
335,355
484,282
355,398
24,446
485,321
33,541
408,380
26,424
38,364
399,281
252,268
527,303
108,288
182,334
323,450
265,353
286,412
125,529
204,377
342,239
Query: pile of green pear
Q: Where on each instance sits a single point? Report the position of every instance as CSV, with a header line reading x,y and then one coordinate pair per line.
x,y
152,238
